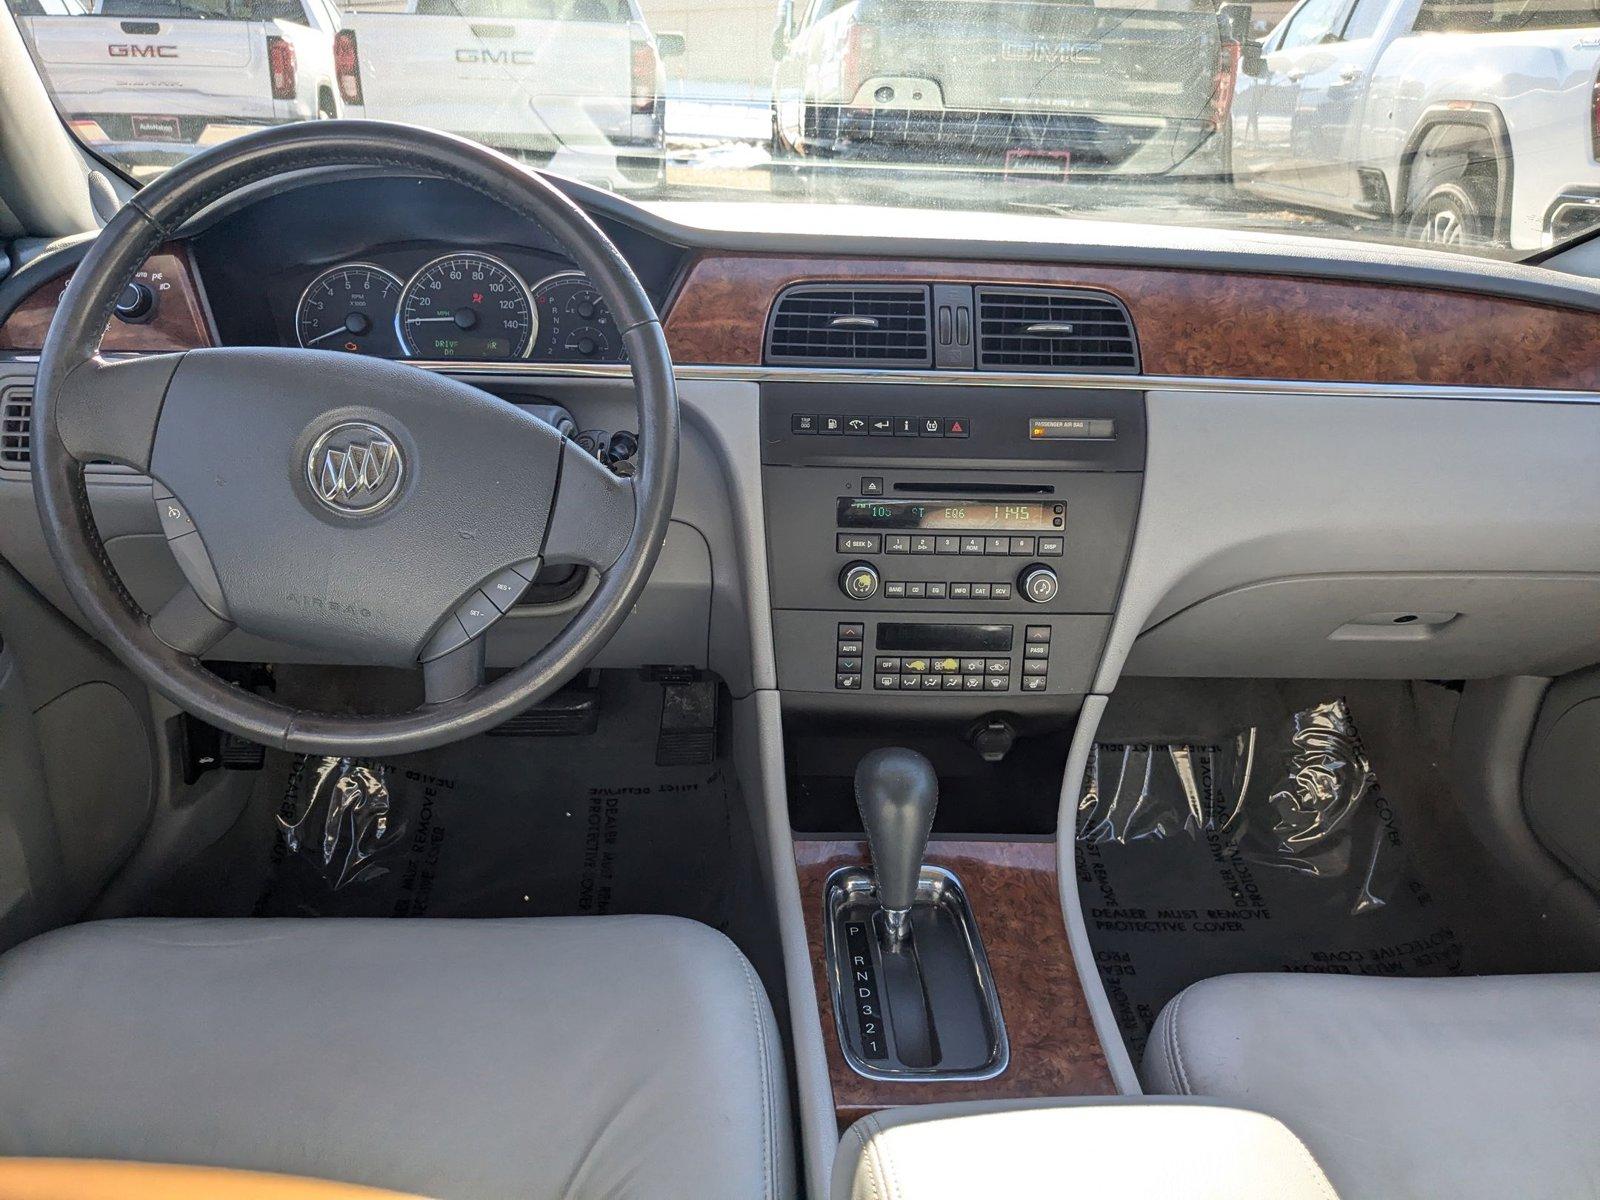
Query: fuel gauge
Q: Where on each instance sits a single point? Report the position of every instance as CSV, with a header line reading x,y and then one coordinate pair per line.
x,y
574,323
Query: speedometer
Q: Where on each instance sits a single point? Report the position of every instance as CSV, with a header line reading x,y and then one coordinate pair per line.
x,y
466,306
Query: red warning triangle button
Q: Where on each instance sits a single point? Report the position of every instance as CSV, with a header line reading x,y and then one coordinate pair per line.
x,y
955,427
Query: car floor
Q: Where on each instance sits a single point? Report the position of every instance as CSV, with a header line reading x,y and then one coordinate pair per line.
x,y
496,826
1240,825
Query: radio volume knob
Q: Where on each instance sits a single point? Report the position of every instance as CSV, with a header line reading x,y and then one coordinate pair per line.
x,y
1038,584
859,581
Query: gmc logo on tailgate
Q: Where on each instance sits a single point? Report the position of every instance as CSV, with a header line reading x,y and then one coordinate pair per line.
x,y
498,58
130,50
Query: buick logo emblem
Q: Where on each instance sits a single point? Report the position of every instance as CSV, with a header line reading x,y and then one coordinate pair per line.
x,y
355,469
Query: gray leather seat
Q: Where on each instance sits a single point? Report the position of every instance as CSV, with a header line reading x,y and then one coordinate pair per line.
x,y
614,1057
1483,1087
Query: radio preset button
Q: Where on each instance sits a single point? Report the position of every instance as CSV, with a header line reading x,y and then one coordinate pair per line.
x,y
997,545
1022,546
947,543
897,543
859,581
972,544
923,543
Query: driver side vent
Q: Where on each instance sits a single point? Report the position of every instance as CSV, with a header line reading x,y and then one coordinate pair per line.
x,y
16,423
851,326
1032,330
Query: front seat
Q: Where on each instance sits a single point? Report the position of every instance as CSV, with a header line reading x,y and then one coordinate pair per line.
x,y
571,1057
1473,1088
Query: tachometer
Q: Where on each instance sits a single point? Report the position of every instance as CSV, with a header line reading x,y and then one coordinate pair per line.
x,y
466,306
350,307
574,323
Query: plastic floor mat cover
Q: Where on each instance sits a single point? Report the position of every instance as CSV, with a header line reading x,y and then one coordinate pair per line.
x,y
500,827
1275,849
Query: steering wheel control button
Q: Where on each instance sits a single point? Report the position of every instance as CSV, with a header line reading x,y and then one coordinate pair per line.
x,y
1039,584
450,636
528,570
476,614
175,519
859,581
505,589
355,469
195,563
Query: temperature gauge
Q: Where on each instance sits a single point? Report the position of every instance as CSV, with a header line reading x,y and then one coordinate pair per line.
x,y
575,324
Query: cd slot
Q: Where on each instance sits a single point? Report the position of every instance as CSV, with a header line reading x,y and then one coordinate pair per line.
x,y
942,488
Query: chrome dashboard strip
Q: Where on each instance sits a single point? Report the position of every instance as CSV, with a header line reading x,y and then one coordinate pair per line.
x,y
1139,383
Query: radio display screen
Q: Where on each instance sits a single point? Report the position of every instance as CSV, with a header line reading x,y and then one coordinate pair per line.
x,y
1027,516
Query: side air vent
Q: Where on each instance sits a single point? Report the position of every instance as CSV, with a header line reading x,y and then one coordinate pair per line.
x,y
862,325
16,422
1026,329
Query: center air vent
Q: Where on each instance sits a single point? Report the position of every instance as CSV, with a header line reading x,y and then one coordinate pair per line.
x,y
16,421
851,326
1026,329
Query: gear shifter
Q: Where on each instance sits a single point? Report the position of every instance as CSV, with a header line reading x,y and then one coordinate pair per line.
x,y
897,792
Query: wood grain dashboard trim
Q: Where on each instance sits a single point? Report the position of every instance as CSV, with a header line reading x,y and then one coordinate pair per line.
x,y
1200,323
1011,886
179,322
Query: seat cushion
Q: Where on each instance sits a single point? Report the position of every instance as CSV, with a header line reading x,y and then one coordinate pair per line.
x,y
612,1057
1129,1148
1466,1087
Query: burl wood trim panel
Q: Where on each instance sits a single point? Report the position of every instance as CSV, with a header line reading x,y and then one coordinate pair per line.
x,y
1012,888
1199,323
179,322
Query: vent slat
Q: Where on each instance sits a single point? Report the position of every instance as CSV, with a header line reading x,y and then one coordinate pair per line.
x,y
1095,334
16,425
869,323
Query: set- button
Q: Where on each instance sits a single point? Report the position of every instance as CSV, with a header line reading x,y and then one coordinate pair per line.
x,y
849,655
941,673
917,589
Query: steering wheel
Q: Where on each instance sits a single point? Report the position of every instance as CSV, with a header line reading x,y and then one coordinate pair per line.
x,y
367,508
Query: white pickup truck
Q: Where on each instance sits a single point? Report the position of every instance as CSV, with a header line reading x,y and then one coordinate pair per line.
x,y
577,84
1461,121
150,81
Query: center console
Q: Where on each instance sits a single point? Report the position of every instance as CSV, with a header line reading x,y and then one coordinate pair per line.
x,y
946,546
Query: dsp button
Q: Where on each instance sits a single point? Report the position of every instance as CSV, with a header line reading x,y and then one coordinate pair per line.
x,y
859,581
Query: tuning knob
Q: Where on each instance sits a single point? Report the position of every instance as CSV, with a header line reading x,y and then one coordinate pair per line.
x,y
859,581
1038,584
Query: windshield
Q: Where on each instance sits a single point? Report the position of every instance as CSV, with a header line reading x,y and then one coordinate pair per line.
x,y
1468,125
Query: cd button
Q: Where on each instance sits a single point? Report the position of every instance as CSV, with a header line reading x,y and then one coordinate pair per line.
x,y
916,590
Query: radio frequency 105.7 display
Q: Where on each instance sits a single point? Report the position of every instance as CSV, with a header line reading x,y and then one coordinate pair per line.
x,y
1022,515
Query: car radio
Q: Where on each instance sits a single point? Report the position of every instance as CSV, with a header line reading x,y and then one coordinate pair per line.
x,y
978,556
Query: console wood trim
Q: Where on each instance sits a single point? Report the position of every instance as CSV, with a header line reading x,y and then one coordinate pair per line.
x,y
179,322
1199,323
1011,886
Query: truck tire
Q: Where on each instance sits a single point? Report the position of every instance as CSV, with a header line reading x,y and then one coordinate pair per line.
x,y
1455,212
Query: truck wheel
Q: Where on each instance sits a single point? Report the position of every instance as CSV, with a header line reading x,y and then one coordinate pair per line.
x,y
1458,212
786,171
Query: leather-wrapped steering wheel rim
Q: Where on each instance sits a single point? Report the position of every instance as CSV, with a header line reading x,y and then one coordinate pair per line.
x,y
78,414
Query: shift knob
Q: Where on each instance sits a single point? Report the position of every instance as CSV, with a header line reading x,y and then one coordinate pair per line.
x,y
897,793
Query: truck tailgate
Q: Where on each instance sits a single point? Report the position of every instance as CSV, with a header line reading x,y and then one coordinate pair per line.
x,y
1028,55
134,64
436,70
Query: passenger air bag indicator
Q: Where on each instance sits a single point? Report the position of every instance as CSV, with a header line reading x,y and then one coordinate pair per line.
x,y
1071,429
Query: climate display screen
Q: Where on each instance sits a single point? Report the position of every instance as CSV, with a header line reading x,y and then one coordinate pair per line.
x,y
1029,516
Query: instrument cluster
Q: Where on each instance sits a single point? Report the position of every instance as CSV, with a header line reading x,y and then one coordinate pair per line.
x,y
461,306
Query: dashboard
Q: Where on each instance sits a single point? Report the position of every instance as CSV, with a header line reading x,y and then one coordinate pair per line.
x,y
416,269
